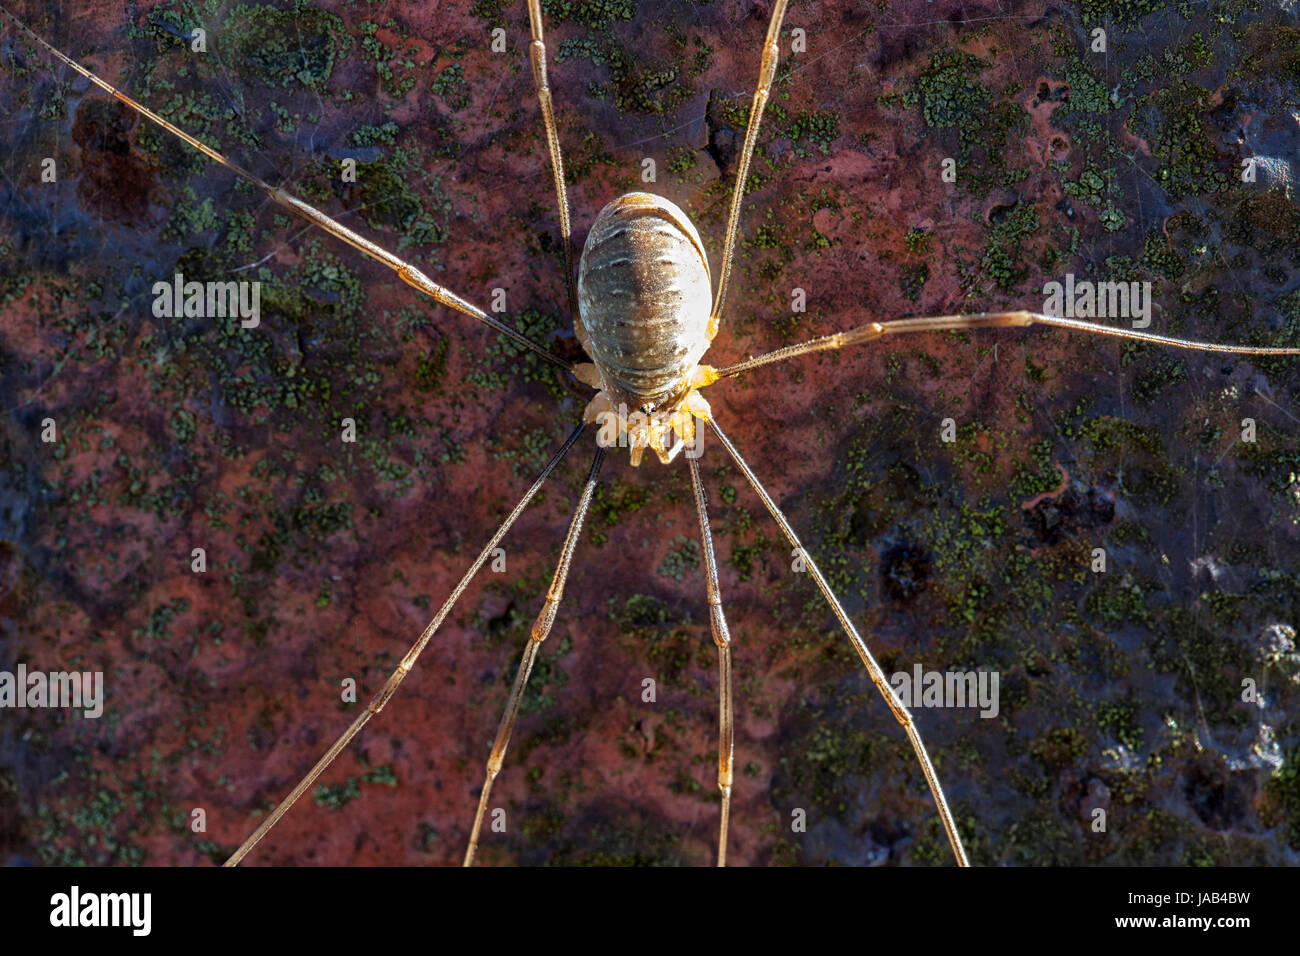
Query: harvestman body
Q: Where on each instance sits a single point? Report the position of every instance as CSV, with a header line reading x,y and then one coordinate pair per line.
x,y
641,310
644,298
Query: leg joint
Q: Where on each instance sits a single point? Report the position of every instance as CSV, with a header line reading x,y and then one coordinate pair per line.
x,y
537,53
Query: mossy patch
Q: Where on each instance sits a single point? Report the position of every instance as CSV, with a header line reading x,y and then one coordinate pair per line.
x,y
297,44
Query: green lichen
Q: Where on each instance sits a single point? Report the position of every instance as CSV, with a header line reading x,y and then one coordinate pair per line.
x,y
1122,12
337,796
385,133
1097,188
1283,795
190,217
451,87
431,368
615,499
1007,234
1039,476
389,200
593,13
1188,161
951,97
634,85
1058,748
1137,454
684,556
1160,257
1273,51
296,44
820,128
1189,57
562,836
396,73
506,360
1087,93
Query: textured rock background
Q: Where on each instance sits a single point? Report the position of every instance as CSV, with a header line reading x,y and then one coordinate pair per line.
x,y
1119,691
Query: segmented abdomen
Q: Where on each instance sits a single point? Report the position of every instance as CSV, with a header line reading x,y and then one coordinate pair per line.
x,y
644,294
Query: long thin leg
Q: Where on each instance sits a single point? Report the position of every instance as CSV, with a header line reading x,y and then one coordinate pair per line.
x,y
407,662
766,74
981,320
537,53
902,714
541,628
405,271
722,638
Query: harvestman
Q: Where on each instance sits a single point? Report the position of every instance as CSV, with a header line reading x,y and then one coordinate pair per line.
x,y
641,309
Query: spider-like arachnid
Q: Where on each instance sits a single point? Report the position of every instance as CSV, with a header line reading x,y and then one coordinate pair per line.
x,y
660,373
